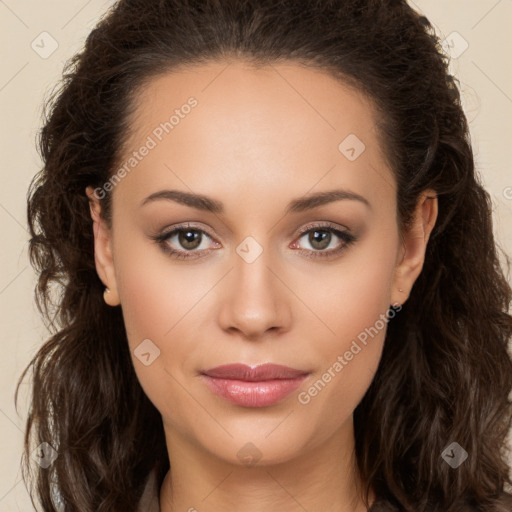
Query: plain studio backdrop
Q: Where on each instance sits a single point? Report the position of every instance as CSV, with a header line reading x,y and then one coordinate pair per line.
x,y
38,37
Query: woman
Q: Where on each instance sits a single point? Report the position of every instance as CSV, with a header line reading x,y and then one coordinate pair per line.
x,y
279,284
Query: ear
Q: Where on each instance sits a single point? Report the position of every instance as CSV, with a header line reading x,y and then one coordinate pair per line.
x,y
103,250
414,245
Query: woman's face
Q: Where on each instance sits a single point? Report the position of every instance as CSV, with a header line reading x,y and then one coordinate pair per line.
x,y
261,275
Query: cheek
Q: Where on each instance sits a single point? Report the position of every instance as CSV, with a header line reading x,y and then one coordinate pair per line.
x,y
145,299
349,360
156,293
357,292
356,307
165,303
157,304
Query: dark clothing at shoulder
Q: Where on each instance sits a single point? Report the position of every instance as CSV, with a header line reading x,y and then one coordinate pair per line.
x,y
504,504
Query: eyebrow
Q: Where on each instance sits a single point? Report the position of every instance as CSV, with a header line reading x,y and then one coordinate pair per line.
x,y
301,204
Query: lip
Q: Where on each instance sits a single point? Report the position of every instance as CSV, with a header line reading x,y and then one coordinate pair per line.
x,y
258,386
268,371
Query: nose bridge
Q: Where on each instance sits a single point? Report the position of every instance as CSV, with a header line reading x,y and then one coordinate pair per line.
x,y
254,300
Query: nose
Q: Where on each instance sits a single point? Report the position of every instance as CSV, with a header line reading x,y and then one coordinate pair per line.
x,y
254,300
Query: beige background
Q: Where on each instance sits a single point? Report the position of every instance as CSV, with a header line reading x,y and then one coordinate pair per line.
x,y
480,49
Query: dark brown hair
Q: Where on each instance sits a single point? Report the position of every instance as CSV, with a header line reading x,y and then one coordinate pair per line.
x,y
445,373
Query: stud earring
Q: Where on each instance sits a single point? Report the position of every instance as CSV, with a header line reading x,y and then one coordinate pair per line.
x,y
111,297
106,295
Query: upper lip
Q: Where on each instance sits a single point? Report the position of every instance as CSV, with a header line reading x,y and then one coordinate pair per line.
x,y
261,372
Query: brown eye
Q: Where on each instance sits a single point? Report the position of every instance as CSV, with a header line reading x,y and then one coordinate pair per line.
x,y
189,239
319,239
185,242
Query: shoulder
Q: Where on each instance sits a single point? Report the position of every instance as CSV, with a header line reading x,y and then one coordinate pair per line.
x,y
501,504
150,500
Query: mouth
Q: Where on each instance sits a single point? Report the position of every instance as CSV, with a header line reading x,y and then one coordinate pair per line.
x,y
258,386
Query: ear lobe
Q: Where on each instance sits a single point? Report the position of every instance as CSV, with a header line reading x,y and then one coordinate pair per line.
x,y
103,257
414,245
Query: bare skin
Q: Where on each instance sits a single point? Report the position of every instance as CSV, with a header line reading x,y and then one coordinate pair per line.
x,y
256,140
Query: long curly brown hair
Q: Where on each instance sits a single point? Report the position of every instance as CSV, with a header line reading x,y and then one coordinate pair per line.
x,y
445,373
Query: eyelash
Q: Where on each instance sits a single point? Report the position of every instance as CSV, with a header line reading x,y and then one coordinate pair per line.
x,y
347,239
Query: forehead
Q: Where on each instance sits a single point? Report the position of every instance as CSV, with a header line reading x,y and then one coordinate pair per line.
x,y
228,124
236,92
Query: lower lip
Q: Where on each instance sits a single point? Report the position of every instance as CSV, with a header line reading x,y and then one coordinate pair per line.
x,y
253,394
